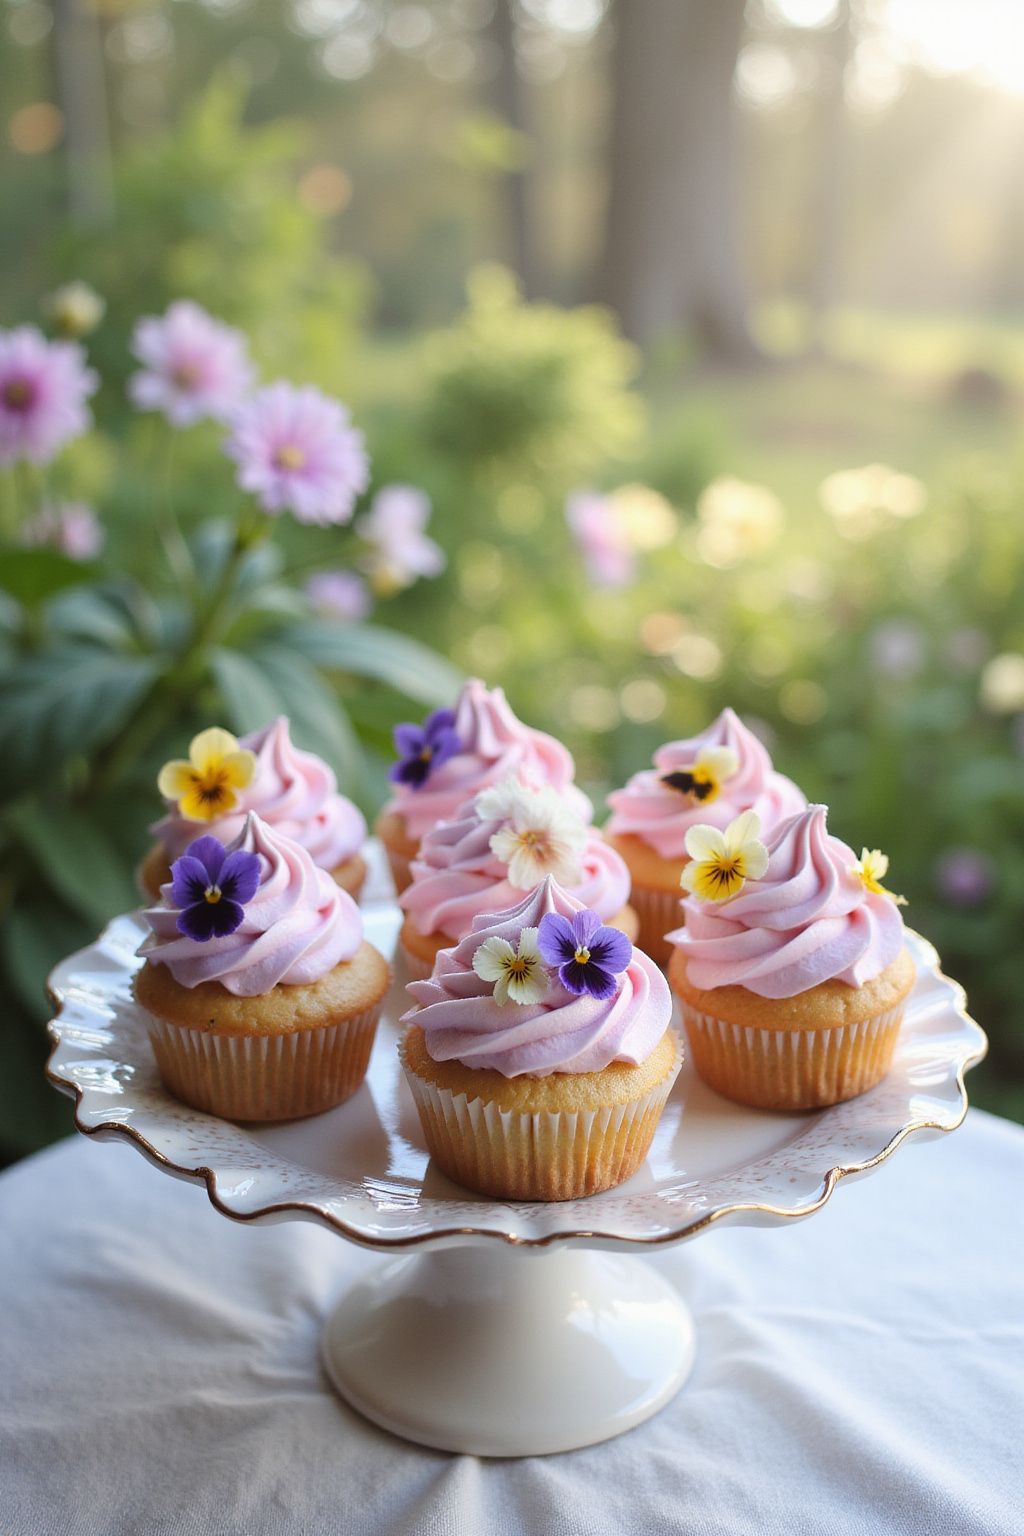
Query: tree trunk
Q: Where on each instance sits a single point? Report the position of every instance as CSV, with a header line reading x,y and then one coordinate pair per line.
x,y
829,199
81,91
507,99
670,255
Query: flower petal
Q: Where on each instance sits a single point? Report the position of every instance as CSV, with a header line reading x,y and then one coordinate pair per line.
x,y
175,778
210,746
188,880
704,842
529,988
210,852
755,859
240,876
611,950
491,960
743,830
590,980
240,767
585,925
555,938
409,740
722,761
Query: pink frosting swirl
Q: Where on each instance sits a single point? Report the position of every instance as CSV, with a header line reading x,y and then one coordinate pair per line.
x,y
808,920
456,877
661,817
297,927
294,791
495,743
562,1033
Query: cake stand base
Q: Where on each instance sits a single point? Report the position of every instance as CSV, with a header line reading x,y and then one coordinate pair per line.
x,y
497,1352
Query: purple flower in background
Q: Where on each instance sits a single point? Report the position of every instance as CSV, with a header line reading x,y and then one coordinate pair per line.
x,y
297,451
193,366
67,526
43,389
340,595
422,748
601,538
211,886
587,955
400,551
964,877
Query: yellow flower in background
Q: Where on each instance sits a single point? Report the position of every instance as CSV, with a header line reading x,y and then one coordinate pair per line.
x,y
737,520
861,500
645,519
871,869
207,785
721,863
703,782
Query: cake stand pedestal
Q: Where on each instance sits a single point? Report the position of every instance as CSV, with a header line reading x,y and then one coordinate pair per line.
x,y
494,1327
503,1353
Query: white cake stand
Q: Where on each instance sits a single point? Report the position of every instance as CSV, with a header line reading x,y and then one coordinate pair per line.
x,y
493,1327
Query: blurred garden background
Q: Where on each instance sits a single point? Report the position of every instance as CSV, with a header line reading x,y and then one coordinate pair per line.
x,y
699,325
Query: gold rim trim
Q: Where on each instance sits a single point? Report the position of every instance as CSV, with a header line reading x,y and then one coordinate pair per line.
x,y
833,1177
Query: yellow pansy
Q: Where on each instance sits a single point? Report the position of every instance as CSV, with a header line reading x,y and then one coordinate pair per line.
x,y
722,862
871,869
207,785
703,782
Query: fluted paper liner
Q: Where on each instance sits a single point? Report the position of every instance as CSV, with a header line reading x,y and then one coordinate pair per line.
x,y
659,912
279,1076
792,1068
549,1155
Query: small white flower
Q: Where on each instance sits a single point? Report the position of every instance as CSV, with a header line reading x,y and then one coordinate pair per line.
x,y
722,862
518,974
500,801
541,837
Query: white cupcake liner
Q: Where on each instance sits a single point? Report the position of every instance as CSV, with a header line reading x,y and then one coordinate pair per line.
x,y
546,1155
280,1076
792,1068
659,912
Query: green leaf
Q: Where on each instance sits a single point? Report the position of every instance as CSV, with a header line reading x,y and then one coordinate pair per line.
x,y
274,680
77,859
34,936
64,702
383,654
33,575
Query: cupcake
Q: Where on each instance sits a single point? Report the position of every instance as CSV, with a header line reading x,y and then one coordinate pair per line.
x,y
539,1052
261,995
710,778
497,848
791,969
455,754
294,792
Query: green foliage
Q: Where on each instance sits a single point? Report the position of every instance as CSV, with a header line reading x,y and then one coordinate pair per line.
x,y
528,391
209,211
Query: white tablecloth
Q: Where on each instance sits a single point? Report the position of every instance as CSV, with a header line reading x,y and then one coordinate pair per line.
x,y
861,1372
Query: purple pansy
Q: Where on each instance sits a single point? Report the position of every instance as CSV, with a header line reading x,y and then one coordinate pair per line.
x,y
422,748
211,886
587,956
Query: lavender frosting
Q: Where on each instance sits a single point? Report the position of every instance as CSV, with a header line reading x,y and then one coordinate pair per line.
x,y
808,920
456,877
297,927
294,791
561,1033
661,817
495,744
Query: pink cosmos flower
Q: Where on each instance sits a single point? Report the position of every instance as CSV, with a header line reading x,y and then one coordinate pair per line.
x,y
400,551
67,526
601,538
43,389
340,595
297,451
193,367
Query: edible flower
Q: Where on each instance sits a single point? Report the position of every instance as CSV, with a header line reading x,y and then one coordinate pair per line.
x,y
722,862
518,974
540,836
587,956
871,869
212,886
703,782
207,785
422,748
